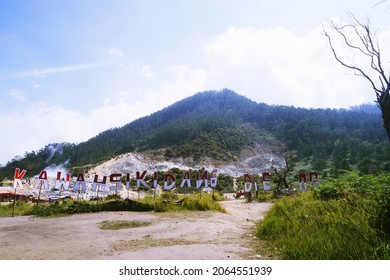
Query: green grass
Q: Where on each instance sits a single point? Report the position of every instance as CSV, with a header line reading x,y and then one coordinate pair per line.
x,y
167,202
20,209
173,202
264,196
76,207
122,224
305,228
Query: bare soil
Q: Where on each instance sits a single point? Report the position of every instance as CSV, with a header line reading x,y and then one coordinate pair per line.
x,y
166,236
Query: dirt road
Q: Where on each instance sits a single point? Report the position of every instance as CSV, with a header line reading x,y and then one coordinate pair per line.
x,y
170,236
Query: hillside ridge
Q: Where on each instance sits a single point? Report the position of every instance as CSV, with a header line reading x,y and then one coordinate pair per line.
x,y
222,127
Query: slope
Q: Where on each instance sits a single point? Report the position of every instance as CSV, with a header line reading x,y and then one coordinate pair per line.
x,y
223,126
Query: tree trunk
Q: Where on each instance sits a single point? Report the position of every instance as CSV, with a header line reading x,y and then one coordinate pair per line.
x,y
384,105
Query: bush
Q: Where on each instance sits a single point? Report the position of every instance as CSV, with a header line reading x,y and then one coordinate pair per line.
x,y
375,189
328,192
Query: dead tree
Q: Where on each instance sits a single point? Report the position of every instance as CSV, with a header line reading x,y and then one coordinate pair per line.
x,y
361,41
280,175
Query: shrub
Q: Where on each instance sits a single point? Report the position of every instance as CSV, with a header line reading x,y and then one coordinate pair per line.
x,y
328,192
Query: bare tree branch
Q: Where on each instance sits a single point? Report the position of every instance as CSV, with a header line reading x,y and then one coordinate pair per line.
x,y
352,67
369,48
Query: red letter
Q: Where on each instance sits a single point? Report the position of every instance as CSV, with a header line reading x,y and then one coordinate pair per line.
x,y
19,175
140,179
117,182
199,180
186,180
173,179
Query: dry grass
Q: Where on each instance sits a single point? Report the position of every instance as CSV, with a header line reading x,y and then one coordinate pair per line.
x,y
148,242
122,224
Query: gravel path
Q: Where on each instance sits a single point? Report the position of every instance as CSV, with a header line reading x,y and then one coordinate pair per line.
x,y
169,236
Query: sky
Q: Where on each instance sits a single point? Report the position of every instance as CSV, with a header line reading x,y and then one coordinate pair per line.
x,y
72,69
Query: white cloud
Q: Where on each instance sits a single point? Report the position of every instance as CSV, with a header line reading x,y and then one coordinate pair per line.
x,y
43,124
278,67
17,94
36,85
184,82
147,71
116,52
39,73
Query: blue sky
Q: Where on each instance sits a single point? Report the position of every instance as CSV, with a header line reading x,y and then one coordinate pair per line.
x,y
71,69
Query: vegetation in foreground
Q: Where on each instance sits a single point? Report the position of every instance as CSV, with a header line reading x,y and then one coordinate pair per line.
x,y
346,218
173,202
163,203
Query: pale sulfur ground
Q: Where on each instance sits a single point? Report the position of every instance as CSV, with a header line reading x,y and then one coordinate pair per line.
x,y
170,236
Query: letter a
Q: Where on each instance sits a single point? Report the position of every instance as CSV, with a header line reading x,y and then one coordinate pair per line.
x,y
42,179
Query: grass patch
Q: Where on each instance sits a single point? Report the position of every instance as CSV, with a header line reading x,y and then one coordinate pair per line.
x,y
20,209
77,207
167,202
265,196
146,243
122,224
305,228
344,218
173,202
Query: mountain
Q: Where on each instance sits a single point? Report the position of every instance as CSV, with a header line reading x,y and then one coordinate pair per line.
x,y
223,127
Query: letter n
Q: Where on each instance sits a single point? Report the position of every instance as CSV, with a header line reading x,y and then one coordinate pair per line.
x,y
199,180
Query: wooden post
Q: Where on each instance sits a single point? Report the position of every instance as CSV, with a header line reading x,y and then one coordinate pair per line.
x,y
39,194
13,207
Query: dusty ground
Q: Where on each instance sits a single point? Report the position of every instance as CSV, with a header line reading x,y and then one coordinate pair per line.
x,y
170,236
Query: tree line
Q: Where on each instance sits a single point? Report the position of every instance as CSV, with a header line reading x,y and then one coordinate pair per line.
x,y
220,124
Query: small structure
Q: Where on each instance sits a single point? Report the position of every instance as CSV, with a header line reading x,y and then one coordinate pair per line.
x,y
7,194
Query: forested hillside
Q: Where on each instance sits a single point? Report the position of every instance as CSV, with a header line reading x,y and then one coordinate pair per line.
x,y
219,125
